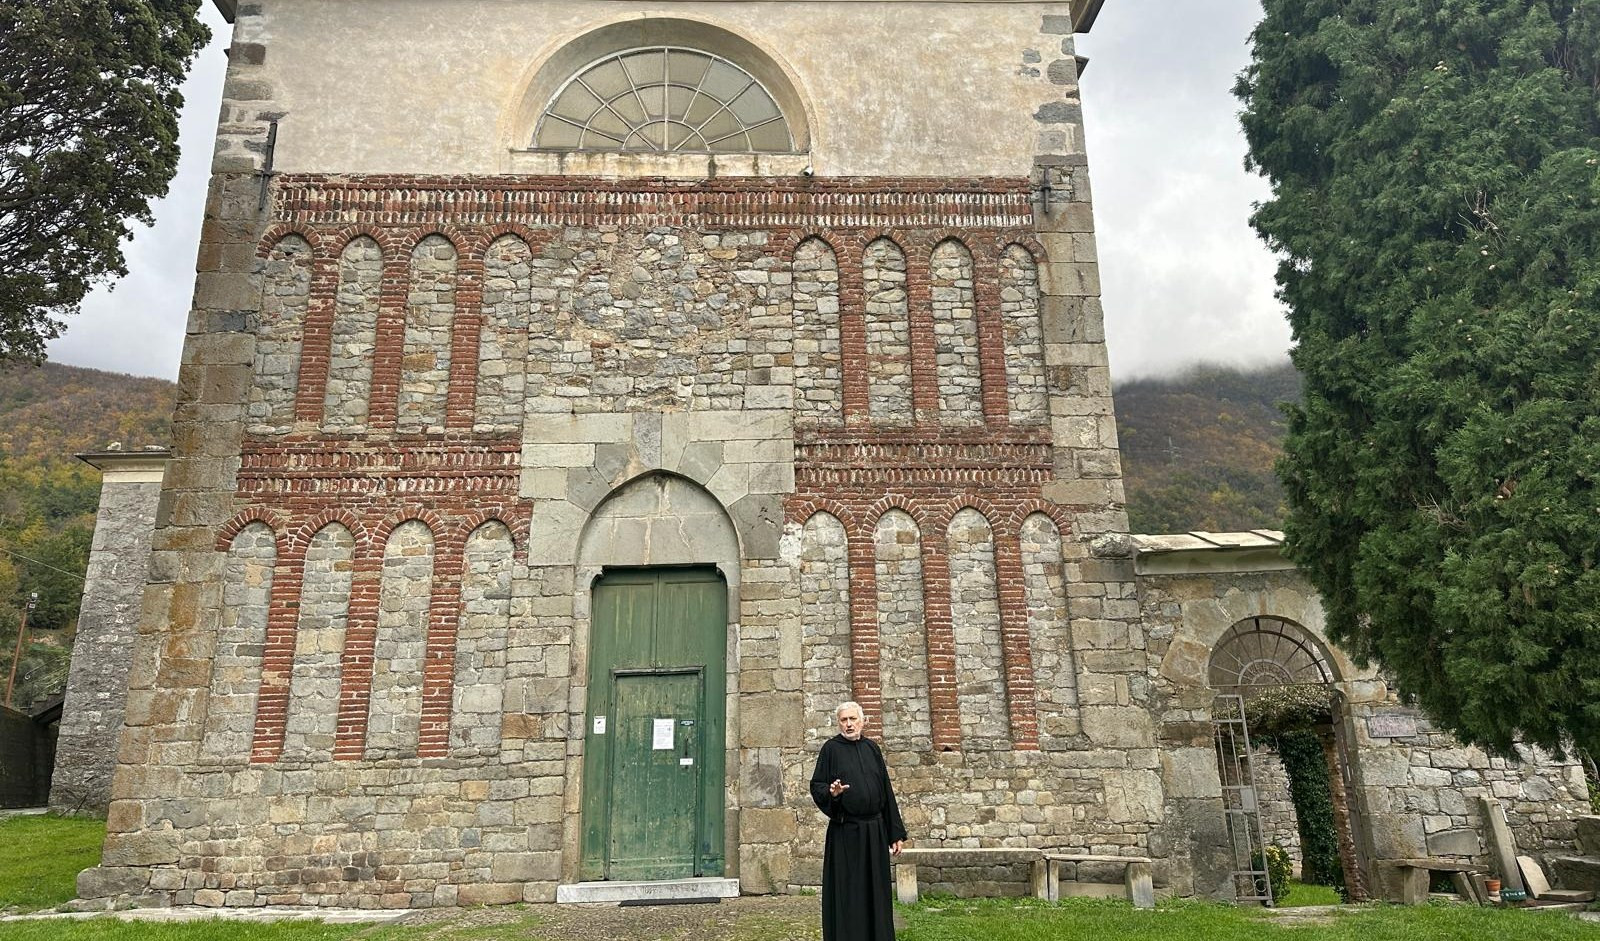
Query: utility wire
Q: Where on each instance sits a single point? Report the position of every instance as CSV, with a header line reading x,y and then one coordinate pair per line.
x,y
18,555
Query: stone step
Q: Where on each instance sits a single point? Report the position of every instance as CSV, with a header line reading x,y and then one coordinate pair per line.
x,y
1588,835
667,890
1576,872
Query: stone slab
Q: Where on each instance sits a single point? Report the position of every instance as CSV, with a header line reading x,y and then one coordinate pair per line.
x,y
1502,847
269,913
663,891
1577,872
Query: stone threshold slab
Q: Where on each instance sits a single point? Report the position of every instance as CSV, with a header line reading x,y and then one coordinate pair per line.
x,y
667,890
182,913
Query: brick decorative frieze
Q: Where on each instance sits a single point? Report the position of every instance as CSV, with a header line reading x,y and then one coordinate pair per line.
x,y
335,469
764,202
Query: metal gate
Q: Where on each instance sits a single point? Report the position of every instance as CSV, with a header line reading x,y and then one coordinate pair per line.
x,y
1239,806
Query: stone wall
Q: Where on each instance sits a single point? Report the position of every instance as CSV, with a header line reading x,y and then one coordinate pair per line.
x,y
1279,823
1414,789
96,694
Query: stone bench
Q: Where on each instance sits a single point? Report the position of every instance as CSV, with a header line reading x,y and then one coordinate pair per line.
x,y
905,866
1137,882
1416,876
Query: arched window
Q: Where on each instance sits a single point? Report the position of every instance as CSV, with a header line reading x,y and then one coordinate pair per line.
x,y
1261,652
664,99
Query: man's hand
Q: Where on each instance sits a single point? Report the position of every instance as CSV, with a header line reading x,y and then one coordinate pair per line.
x,y
837,787
896,847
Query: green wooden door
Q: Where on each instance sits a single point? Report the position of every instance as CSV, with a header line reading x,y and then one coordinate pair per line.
x,y
656,655
655,785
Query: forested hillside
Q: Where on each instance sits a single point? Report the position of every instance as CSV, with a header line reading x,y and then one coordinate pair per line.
x,y
1198,451
1198,448
48,497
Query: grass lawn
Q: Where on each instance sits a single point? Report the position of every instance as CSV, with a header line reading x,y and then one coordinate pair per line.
x,y
105,929
931,920
1013,920
1300,894
40,857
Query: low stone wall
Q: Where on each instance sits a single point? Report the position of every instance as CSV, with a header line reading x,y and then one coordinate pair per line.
x,y
1005,880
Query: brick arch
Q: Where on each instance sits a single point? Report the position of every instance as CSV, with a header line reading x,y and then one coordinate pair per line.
x,y
339,239
1024,241
307,530
904,241
1020,513
407,242
978,248
256,514
441,529
282,231
487,236
797,237
942,515
515,523
801,512
827,237
895,501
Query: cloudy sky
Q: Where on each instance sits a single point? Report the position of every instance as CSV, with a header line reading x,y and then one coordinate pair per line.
x,y
1183,275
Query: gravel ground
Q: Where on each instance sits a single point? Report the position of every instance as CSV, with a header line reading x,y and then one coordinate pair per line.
x,y
756,918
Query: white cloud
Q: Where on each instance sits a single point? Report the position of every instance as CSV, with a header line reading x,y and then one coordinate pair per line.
x,y
1184,276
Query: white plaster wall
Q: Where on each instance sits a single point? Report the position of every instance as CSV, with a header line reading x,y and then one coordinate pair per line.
x,y
436,86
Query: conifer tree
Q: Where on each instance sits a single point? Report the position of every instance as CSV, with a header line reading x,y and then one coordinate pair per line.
x,y
89,105
1435,171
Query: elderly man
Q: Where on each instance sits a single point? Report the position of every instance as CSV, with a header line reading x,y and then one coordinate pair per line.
x,y
851,785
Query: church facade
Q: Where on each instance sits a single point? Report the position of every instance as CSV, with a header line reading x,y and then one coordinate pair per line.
x,y
581,398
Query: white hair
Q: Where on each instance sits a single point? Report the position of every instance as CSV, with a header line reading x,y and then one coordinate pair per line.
x,y
849,704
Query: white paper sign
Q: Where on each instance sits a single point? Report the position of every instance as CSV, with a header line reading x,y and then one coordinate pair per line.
x,y
685,761
599,725
662,741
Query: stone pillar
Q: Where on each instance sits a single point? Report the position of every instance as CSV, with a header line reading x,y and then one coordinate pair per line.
x,y
97,686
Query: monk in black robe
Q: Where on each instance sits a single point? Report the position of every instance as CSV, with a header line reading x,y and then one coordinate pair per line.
x,y
851,785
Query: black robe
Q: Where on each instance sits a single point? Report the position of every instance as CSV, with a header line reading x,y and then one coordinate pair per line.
x,y
857,900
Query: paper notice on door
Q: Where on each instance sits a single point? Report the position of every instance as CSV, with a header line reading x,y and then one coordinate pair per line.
x,y
662,741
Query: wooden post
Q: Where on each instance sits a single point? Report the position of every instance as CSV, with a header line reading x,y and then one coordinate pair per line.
x,y
22,640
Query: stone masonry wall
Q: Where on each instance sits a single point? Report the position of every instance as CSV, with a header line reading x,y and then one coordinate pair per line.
x,y
1279,823
975,612
430,315
96,694
906,719
241,637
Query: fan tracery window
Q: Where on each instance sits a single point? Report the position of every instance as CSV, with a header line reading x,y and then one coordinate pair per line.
x,y
663,99
1266,651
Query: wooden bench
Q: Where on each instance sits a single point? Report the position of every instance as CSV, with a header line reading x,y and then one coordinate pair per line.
x,y
905,866
1137,881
